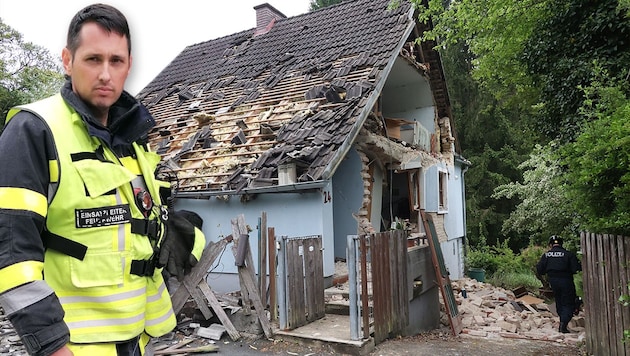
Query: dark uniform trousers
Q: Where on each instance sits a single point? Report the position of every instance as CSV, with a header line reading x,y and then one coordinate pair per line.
x,y
564,293
129,348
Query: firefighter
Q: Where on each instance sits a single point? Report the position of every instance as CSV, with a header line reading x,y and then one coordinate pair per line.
x,y
84,225
560,265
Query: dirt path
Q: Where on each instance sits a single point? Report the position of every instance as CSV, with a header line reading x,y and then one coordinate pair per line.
x,y
421,345
434,343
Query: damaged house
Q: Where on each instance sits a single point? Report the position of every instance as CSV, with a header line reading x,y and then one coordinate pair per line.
x,y
334,123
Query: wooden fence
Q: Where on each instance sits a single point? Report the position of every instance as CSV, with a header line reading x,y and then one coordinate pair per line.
x,y
301,278
389,283
605,266
377,275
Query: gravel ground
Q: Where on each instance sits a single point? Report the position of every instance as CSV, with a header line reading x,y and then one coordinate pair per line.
x,y
437,342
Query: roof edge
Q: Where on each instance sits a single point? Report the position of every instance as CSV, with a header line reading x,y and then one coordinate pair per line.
x,y
288,188
354,132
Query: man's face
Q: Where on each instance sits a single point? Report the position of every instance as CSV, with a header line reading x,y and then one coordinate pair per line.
x,y
98,68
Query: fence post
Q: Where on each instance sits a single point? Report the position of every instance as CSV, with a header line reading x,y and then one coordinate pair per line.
x,y
282,280
351,252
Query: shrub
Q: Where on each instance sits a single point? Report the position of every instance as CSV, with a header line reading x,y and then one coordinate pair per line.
x,y
530,256
513,280
481,258
506,269
493,259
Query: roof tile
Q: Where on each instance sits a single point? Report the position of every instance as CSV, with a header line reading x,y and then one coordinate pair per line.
x,y
292,94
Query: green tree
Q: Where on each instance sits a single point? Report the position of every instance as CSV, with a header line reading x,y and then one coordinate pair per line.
x,y
534,57
545,207
495,33
495,139
319,4
536,53
560,58
493,102
598,161
27,71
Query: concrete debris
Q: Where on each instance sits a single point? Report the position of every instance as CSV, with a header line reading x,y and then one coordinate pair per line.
x,y
214,331
492,312
487,312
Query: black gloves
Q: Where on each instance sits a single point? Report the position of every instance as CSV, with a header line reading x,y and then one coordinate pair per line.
x,y
175,250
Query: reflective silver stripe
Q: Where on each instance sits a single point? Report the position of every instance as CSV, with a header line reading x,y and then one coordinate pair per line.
x,y
121,236
139,182
155,297
121,227
52,190
105,322
161,319
103,299
24,295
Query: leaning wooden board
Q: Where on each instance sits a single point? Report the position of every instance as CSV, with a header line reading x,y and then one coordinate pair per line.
x,y
441,273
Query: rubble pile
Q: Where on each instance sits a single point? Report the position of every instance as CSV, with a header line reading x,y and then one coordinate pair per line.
x,y
492,312
486,312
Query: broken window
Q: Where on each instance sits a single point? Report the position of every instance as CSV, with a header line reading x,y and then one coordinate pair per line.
x,y
416,190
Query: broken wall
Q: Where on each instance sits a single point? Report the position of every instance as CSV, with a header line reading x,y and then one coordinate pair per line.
x,y
424,305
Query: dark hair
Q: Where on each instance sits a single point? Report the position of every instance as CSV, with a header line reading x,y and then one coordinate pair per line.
x,y
107,17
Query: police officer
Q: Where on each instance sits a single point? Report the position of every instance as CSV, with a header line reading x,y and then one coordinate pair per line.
x,y
84,223
560,265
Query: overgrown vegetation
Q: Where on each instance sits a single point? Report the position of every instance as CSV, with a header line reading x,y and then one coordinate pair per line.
x,y
510,270
507,269
540,92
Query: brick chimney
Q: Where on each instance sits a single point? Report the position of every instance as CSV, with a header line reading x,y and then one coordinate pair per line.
x,y
266,17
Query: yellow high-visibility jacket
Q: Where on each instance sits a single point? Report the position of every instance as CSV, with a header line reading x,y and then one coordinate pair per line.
x,y
100,234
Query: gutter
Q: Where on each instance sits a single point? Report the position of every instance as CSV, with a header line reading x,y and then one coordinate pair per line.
x,y
287,188
459,158
466,164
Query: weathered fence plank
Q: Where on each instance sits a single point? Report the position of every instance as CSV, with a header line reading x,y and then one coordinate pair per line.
x,y
247,276
379,289
296,286
443,279
262,260
318,280
199,272
605,278
273,305
585,243
624,263
609,266
304,277
403,286
388,252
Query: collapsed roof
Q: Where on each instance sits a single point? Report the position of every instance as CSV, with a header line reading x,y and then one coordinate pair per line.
x,y
232,111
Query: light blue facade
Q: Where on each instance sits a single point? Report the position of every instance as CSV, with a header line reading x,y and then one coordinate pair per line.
x,y
348,194
290,214
454,216
412,100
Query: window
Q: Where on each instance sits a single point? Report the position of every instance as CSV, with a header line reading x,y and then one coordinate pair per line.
x,y
443,191
416,189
